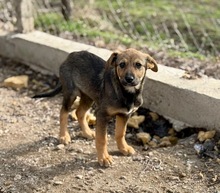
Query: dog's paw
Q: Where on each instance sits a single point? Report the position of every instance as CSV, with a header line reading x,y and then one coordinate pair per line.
x,y
105,160
127,150
65,139
88,134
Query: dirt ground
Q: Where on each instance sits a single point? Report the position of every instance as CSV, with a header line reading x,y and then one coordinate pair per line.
x,y
31,159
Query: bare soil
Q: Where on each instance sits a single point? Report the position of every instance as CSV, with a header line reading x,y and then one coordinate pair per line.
x,y
31,159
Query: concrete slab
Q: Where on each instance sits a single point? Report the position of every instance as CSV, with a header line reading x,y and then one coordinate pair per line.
x,y
195,102
42,50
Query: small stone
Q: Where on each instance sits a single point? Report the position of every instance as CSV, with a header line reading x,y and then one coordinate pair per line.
x,y
56,183
90,168
137,158
79,176
101,171
51,145
90,172
199,148
145,148
122,178
60,146
182,174
8,183
129,136
16,82
17,177
80,150
150,154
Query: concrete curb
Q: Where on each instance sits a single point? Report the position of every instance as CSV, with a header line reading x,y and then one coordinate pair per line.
x,y
195,102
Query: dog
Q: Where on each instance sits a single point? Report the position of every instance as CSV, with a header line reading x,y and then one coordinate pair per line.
x,y
114,85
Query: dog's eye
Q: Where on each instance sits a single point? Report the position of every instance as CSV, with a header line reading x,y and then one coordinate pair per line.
x,y
138,65
122,64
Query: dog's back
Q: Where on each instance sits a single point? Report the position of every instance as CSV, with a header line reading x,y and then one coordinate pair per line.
x,y
83,71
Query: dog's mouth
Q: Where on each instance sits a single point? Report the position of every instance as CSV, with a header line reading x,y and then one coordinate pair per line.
x,y
132,84
127,83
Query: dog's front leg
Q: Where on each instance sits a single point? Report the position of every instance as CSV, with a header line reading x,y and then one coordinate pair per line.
x,y
104,158
120,131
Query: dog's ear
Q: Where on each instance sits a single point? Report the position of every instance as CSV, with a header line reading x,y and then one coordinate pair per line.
x,y
111,62
151,63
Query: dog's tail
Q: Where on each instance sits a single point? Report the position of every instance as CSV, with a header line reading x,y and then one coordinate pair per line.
x,y
52,93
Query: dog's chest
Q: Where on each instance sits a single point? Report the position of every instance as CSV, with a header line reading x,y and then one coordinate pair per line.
x,y
124,108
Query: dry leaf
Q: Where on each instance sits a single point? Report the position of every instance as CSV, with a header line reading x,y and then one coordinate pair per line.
x,y
76,103
73,115
172,132
135,121
143,137
91,119
154,116
202,136
152,143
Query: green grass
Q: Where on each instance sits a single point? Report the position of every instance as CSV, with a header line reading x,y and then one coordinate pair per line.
x,y
148,18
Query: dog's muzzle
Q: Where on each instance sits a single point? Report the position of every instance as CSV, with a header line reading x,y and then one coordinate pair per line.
x,y
130,80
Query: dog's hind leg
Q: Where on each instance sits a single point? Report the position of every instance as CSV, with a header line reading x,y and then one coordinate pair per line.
x,y
85,104
120,131
64,112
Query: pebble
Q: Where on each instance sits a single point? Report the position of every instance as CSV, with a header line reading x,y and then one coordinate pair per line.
x,y
150,154
138,158
145,148
57,183
17,82
101,171
129,135
79,150
51,145
60,146
79,176
8,183
90,172
90,168
122,178
17,177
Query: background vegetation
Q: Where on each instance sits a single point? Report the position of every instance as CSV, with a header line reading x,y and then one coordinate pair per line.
x,y
186,28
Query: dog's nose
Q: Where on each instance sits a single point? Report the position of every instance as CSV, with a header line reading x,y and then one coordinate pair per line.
x,y
129,78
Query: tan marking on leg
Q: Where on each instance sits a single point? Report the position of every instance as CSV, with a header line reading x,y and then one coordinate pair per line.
x,y
64,133
120,130
104,158
81,112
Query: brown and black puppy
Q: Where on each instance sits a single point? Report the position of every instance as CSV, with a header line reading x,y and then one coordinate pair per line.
x,y
116,88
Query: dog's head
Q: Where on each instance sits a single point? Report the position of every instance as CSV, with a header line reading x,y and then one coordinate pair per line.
x,y
131,66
